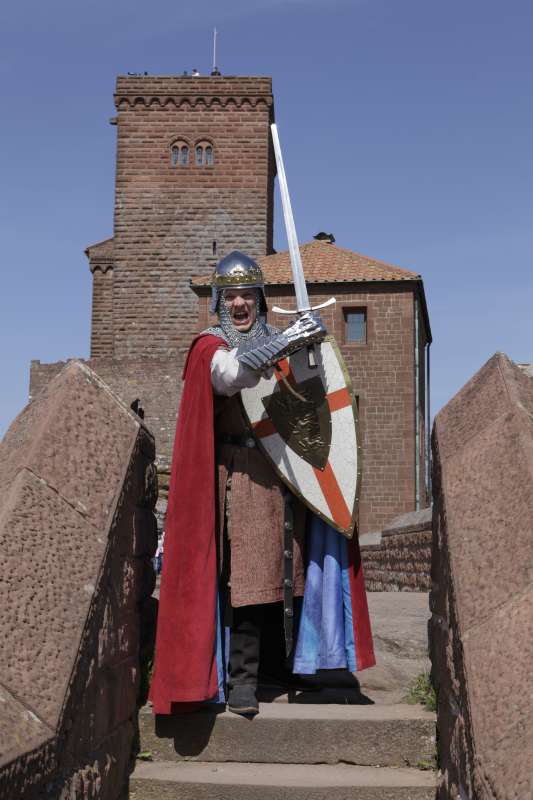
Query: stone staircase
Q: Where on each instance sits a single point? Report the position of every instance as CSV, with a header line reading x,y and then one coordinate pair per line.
x,y
337,744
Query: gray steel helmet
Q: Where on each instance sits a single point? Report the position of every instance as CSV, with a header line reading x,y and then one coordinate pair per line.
x,y
236,271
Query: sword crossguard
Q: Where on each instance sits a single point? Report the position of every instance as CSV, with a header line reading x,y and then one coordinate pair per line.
x,y
278,310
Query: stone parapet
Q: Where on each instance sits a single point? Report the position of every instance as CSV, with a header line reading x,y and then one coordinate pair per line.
x,y
150,90
77,532
156,382
481,630
398,559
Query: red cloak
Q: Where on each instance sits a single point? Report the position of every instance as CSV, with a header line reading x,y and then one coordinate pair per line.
x,y
185,655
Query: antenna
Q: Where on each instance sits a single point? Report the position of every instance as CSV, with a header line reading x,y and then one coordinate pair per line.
x,y
215,70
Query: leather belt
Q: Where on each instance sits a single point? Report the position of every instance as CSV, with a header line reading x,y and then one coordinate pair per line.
x,y
237,441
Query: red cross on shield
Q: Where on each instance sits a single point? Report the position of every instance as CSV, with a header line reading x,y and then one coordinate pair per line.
x,y
304,418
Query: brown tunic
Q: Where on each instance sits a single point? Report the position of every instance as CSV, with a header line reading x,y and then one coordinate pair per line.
x,y
255,514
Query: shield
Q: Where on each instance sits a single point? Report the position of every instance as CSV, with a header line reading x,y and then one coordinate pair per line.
x,y
304,418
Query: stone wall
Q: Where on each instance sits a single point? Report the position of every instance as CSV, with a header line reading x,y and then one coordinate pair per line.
x,y
77,532
156,382
399,558
481,630
102,262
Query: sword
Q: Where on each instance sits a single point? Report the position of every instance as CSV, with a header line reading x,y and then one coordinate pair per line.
x,y
302,298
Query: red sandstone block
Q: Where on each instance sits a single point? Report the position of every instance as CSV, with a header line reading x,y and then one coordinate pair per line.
x,y
483,549
57,624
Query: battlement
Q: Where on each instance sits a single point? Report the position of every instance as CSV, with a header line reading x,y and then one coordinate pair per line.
x,y
146,90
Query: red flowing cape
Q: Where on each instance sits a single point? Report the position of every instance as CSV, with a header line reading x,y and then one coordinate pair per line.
x,y
185,655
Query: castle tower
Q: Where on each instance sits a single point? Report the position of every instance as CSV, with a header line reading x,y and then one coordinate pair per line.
x,y
194,180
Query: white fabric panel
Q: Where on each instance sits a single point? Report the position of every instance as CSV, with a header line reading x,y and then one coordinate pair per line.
x,y
229,376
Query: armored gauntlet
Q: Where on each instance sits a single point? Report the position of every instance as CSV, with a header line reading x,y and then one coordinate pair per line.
x,y
265,351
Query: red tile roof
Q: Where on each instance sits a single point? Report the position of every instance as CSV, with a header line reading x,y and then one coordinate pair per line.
x,y
326,263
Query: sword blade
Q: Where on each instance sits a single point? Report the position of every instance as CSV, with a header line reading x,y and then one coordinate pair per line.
x,y
302,298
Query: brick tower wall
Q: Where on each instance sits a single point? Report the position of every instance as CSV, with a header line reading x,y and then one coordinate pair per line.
x,y
382,371
424,487
102,313
172,222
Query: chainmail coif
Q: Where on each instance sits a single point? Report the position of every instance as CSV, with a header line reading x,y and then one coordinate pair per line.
x,y
226,329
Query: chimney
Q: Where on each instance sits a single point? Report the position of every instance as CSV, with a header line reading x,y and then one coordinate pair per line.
x,y
327,238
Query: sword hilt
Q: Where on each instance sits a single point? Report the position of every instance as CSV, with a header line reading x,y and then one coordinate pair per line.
x,y
278,310
312,354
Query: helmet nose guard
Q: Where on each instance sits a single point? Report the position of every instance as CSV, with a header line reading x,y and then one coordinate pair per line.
x,y
236,271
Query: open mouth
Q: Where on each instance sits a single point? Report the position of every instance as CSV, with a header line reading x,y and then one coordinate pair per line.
x,y
241,317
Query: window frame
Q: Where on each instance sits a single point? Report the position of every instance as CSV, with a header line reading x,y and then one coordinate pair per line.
x,y
346,311
204,144
178,144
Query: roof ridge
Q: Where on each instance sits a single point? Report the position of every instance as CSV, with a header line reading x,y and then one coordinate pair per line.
x,y
315,244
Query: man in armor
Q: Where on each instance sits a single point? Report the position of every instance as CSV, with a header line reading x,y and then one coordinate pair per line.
x,y
228,564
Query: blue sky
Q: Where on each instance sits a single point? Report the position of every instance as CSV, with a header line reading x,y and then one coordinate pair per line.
x,y
406,127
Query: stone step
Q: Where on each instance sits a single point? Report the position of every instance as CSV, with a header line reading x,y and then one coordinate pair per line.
x,y
394,735
236,781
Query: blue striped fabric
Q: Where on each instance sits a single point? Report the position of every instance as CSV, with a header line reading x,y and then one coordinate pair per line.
x,y
325,637
222,645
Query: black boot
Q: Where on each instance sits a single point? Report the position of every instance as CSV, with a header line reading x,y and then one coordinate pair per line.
x,y
245,641
242,700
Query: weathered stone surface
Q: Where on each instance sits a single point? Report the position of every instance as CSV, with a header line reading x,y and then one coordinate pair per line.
x,y
412,521
20,729
23,777
379,735
103,774
278,782
399,627
75,469
144,531
399,559
77,437
51,556
481,631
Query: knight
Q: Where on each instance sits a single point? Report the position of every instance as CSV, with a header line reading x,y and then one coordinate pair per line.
x,y
236,595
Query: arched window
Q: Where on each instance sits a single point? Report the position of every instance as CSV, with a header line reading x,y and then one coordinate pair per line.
x,y
179,154
204,154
